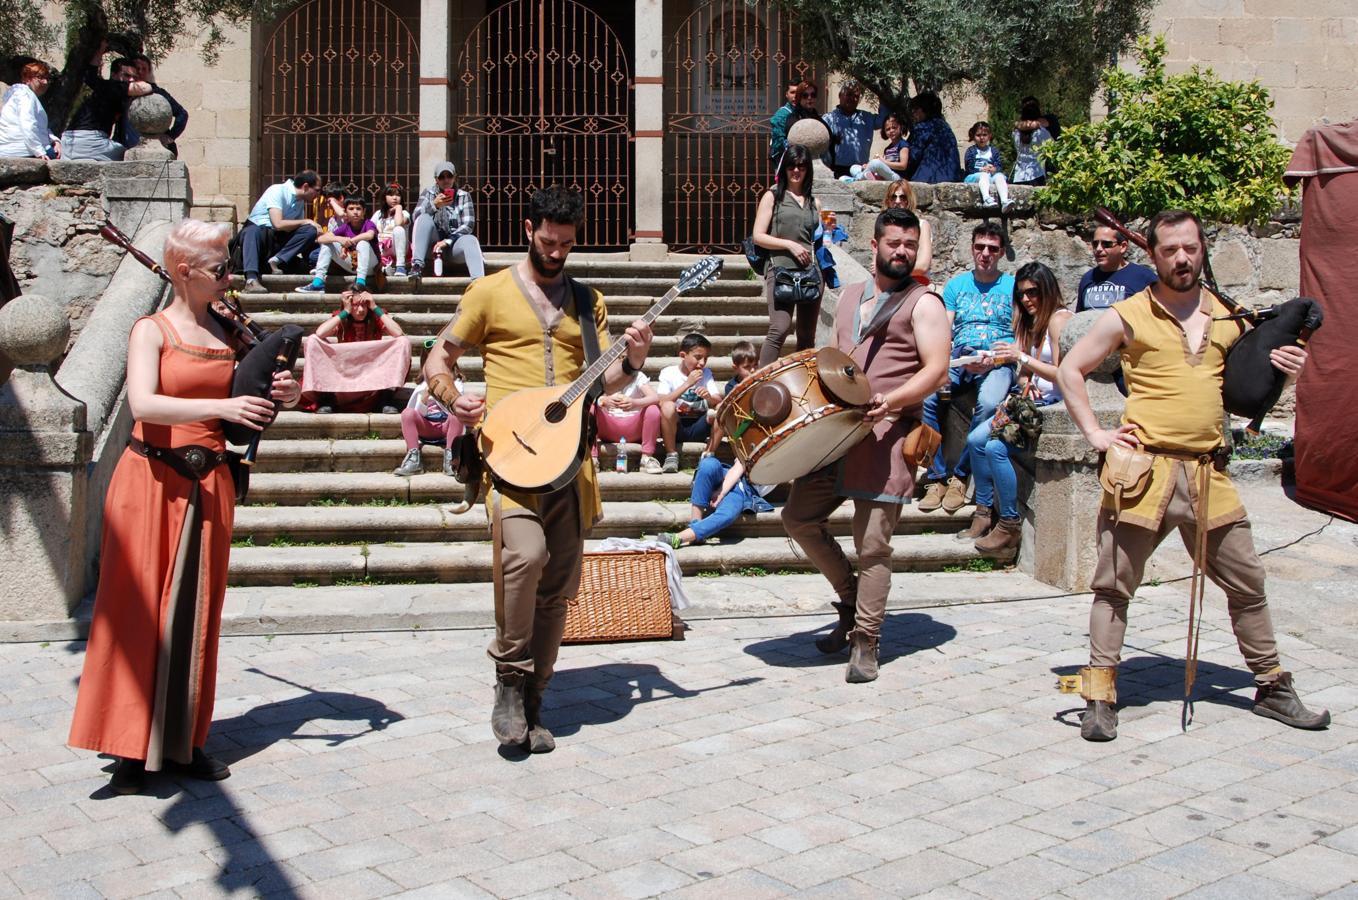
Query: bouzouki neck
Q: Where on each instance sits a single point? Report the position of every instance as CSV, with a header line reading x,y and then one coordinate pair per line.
x,y
595,373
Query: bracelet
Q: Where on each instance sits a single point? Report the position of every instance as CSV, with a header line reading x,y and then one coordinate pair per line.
x,y
343,314
377,312
627,367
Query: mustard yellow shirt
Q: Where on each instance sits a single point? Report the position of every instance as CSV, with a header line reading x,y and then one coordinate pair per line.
x,y
1174,399
522,347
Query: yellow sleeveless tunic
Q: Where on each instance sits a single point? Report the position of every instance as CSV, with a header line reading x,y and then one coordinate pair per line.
x,y
1174,399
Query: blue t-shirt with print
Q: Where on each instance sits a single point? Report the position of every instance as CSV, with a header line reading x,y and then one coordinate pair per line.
x,y
1100,290
982,313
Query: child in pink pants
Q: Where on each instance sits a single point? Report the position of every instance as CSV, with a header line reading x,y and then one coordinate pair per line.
x,y
423,418
631,414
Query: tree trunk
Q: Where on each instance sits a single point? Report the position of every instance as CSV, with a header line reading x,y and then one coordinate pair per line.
x,y
86,31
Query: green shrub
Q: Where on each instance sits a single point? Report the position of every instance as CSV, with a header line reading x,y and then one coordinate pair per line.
x,y
1189,141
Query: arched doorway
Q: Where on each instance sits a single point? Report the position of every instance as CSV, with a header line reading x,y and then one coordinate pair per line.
x,y
726,72
339,94
544,97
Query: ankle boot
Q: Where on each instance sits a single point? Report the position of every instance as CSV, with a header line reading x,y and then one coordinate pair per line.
x,y
1099,722
1002,538
838,638
507,719
129,776
1279,700
981,520
540,740
862,658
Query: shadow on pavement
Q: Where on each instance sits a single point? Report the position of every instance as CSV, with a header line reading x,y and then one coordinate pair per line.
x,y
902,634
1143,680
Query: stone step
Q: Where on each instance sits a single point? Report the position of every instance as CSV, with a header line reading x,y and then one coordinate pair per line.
x,y
619,283
305,488
426,523
421,325
663,345
707,303
472,370
471,562
804,598
378,454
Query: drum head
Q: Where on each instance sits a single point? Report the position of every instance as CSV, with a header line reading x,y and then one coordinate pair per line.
x,y
841,378
809,447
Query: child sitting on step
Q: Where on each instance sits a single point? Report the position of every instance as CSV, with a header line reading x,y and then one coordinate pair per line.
x,y
425,421
631,414
688,395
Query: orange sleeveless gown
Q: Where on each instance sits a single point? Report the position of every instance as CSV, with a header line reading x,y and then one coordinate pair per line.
x,y
151,662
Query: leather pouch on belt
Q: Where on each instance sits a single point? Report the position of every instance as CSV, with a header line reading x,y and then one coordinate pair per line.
x,y
1125,473
1091,683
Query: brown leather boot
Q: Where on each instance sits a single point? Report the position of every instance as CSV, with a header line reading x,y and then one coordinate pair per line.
x,y
838,638
981,521
1002,538
507,718
540,740
862,658
1279,700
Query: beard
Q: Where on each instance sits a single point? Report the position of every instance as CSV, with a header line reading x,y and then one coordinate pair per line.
x,y
541,264
893,267
1181,280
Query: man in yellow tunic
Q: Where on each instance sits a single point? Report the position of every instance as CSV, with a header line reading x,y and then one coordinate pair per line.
x,y
526,321
1173,355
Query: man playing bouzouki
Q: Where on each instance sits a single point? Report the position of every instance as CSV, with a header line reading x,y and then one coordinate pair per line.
x,y
526,321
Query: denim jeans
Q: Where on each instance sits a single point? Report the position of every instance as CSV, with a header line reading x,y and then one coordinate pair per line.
x,y
995,385
258,243
741,498
995,476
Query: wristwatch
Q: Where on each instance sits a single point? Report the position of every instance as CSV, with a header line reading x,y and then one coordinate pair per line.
x,y
1024,359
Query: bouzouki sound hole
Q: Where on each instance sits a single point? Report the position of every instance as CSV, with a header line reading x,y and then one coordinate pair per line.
x,y
770,403
555,411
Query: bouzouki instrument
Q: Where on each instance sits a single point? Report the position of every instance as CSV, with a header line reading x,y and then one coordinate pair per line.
x,y
534,440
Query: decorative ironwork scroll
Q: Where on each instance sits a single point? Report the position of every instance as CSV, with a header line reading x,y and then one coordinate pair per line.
x,y
726,74
544,97
339,86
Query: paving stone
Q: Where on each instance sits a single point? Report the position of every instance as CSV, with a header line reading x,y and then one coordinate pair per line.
x,y
539,873
1314,868
1136,880
1247,884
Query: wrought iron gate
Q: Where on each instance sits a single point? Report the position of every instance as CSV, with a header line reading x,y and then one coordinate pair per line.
x,y
726,74
545,98
339,94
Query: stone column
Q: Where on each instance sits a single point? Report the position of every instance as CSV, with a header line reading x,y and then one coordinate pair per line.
x,y
648,123
1063,503
44,449
435,96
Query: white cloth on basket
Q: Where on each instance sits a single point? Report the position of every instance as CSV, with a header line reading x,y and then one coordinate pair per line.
x,y
673,574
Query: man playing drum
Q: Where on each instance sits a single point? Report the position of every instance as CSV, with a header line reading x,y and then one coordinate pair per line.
x,y
1173,350
897,331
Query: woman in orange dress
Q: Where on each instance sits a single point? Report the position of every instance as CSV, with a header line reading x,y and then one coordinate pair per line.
x,y
150,672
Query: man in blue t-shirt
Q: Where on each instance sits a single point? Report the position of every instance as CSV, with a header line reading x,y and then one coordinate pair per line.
x,y
1113,278
980,306
851,130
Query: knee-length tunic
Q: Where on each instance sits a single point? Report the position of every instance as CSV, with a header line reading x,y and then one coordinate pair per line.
x,y
151,662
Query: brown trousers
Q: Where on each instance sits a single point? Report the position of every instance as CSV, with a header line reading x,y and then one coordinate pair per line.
x,y
809,504
1231,563
780,324
538,555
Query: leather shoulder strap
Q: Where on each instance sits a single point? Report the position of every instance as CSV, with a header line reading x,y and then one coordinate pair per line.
x,y
584,314
891,307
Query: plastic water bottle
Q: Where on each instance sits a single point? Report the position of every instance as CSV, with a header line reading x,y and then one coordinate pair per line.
x,y
620,463
438,266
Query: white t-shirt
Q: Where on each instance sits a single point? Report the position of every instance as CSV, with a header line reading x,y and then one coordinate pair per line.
x,y
689,403
633,389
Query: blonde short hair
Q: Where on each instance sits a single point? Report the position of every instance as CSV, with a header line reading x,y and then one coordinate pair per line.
x,y
194,243
900,187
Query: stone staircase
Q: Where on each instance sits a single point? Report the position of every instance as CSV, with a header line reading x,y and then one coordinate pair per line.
x,y
324,508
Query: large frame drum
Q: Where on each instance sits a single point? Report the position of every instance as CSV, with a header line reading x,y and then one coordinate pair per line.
x,y
796,414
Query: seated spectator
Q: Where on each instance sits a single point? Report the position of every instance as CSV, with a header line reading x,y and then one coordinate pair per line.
x,y
631,414
984,165
980,305
933,146
424,420
445,213
901,196
277,228
368,359
891,163
89,131
1039,316
128,135
327,210
688,391
801,105
23,120
851,131
393,231
1113,279
351,245
1029,134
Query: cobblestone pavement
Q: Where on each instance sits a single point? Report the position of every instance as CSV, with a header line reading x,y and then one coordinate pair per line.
x,y
735,763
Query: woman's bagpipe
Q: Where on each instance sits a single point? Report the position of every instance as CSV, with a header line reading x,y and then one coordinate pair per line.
x,y
261,355
1251,384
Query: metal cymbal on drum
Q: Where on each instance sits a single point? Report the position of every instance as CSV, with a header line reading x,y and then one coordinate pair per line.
x,y
841,378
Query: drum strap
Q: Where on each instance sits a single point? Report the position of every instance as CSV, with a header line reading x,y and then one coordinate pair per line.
x,y
888,309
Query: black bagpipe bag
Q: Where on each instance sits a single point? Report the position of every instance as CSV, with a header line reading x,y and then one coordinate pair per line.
x,y
1251,385
254,373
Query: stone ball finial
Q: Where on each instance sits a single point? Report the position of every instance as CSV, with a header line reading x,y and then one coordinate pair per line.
x,y
33,330
150,115
1077,328
813,134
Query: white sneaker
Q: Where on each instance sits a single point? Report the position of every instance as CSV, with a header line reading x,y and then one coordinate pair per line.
x,y
273,265
650,465
411,465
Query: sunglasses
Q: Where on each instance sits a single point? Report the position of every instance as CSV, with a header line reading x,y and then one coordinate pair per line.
x,y
1104,245
986,248
1031,293
792,166
220,271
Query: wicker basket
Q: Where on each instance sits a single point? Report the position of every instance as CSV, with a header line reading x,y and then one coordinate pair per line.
x,y
624,596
